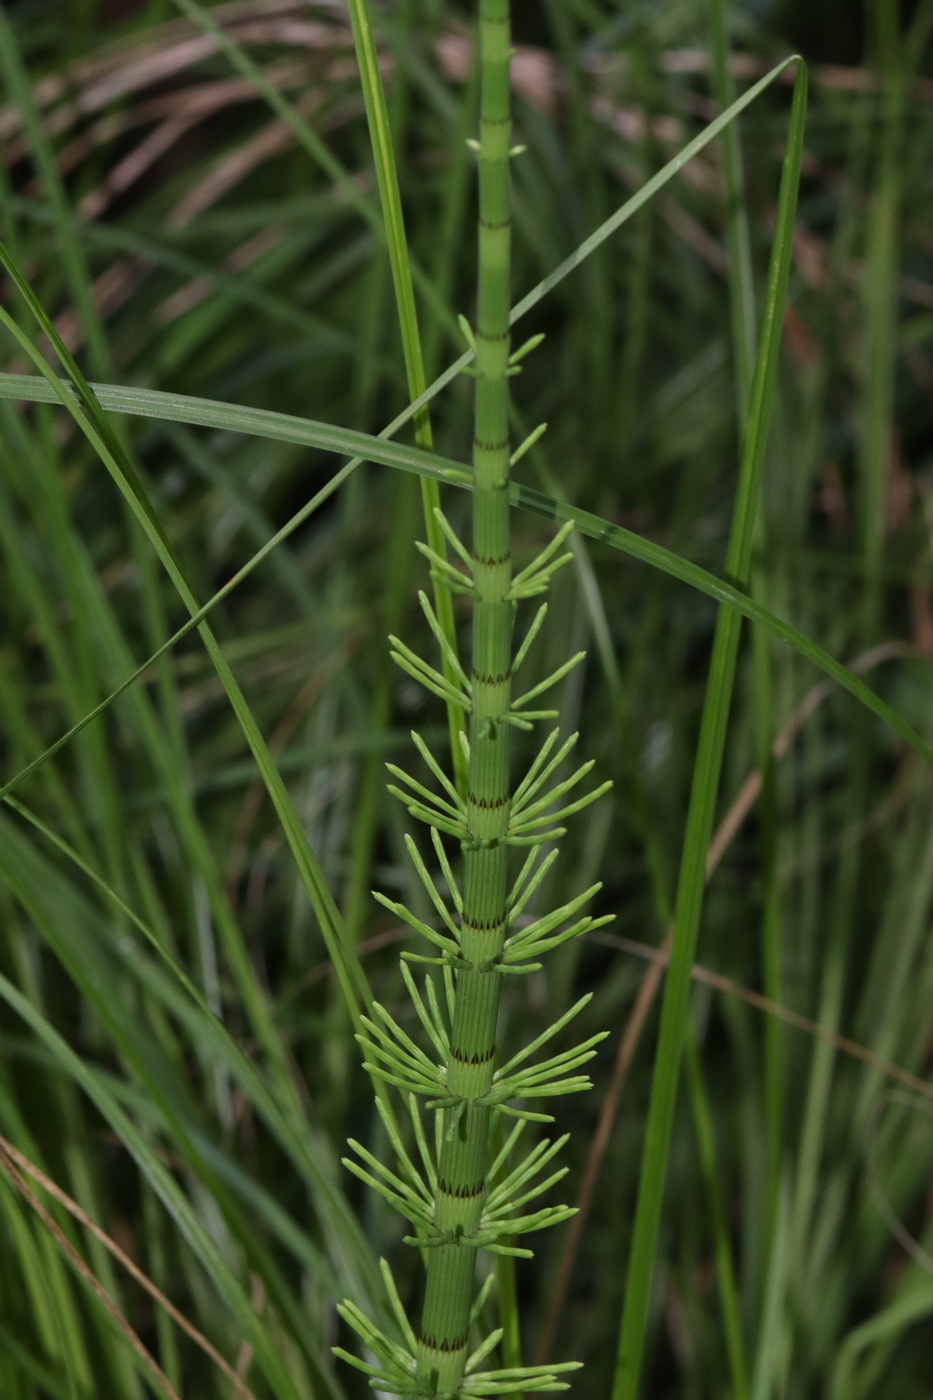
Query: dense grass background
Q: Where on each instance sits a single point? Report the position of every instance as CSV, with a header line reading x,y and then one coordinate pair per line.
x,y
185,240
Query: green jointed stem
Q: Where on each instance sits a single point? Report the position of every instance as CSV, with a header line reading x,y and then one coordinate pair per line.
x,y
442,1350
462,1197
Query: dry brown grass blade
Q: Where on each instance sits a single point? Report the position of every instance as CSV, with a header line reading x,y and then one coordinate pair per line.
x,y
139,60
8,1167
13,1163
659,958
723,836
201,100
116,54
190,294
594,1160
270,141
125,173
747,795
166,52
904,1238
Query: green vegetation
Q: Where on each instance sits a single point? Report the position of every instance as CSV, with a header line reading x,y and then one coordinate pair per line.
x,y
252,229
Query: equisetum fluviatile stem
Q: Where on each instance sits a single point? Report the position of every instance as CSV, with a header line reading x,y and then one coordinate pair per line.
x,y
442,1349
459,1199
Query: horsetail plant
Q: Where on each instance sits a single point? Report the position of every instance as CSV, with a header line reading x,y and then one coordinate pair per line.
x,y
457,1193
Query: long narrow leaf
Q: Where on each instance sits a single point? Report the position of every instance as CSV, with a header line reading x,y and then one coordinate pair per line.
x,y
257,422
380,136
286,428
706,773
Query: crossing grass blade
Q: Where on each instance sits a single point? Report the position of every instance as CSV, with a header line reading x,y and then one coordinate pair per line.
x,y
706,774
914,1303
354,987
93,953
174,967
207,413
143,1357
115,452
318,149
649,189
283,427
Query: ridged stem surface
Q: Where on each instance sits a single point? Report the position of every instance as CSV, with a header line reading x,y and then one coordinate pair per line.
x,y
463,1162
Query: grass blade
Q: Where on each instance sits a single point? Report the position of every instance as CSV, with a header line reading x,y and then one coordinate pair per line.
x,y
610,226
768,1358
725,1270
259,422
741,281
708,763
648,190
380,135
912,1306
743,316
303,133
